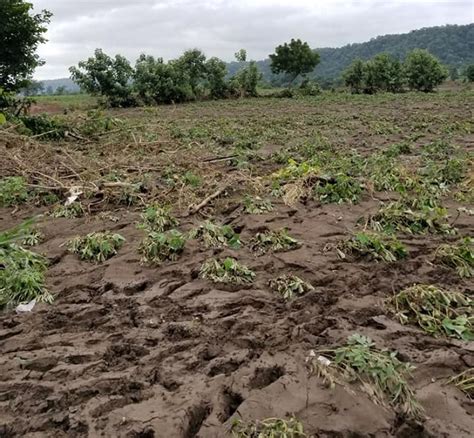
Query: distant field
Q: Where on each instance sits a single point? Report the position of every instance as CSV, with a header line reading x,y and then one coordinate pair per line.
x,y
52,104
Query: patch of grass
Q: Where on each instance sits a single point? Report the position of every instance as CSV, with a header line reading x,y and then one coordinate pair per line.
x,y
13,191
257,205
290,285
228,271
464,382
22,272
374,246
380,372
157,218
158,247
269,428
400,216
216,236
277,240
96,247
341,188
459,256
68,211
435,310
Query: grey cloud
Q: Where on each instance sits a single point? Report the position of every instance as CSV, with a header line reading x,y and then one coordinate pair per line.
x,y
166,28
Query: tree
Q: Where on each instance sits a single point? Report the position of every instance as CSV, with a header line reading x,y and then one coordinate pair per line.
x,y
216,71
423,71
295,58
354,76
453,73
386,72
105,76
191,64
245,81
20,34
469,73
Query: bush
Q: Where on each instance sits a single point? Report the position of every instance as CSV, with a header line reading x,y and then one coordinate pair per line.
x,y
469,73
13,191
158,247
423,71
96,247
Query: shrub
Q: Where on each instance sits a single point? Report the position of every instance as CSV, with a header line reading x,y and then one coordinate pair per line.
x,y
216,236
435,310
44,126
158,247
459,256
374,247
338,189
157,218
96,247
277,240
290,285
13,191
70,211
226,271
423,71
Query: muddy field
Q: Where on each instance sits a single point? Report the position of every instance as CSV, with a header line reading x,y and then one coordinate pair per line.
x,y
128,349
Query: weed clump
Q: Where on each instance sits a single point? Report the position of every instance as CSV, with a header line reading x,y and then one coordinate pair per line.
x,y
70,211
228,271
216,236
435,310
22,272
381,373
13,191
341,188
459,256
290,285
277,240
96,247
158,219
269,428
374,246
159,247
257,205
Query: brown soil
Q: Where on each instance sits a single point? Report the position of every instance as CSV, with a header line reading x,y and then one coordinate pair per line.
x,y
127,350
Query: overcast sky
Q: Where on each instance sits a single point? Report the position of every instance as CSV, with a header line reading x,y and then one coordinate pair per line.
x,y
220,27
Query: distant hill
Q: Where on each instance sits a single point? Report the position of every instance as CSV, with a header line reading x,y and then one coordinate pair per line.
x,y
452,44
51,85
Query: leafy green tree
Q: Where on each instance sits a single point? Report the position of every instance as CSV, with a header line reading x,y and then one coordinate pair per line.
x,y
191,65
387,73
21,32
295,58
354,76
216,71
469,73
453,73
245,81
105,76
423,71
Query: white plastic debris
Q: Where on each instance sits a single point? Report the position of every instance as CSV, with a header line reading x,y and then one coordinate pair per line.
x,y
324,360
74,193
26,307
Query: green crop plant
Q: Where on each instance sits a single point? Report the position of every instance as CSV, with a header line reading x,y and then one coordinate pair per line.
x,y
257,205
435,310
459,256
216,236
70,211
22,273
13,191
228,271
158,247
32,237
464,382
338,189
289,286
412,219
381,374
268,428
397,149
96,247
374,246
157,218
277,240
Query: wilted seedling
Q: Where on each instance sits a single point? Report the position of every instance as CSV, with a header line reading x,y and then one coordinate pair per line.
x,y
257,205
158,247
435,310
464,382
32,237
277,240
22,273
459,256
398,216
380,372
228,270
68,211
158,219
216,236
13,191
373,246
96,247
269,428
338,189
290,285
